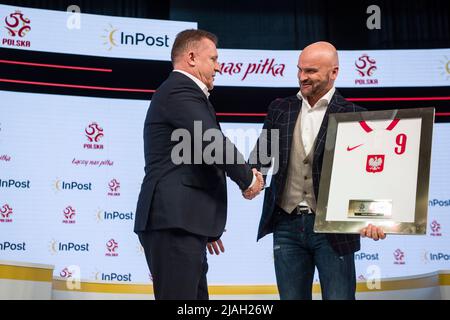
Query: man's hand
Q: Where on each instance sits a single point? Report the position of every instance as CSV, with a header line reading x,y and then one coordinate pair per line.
x,y
256,188
373,232
214,247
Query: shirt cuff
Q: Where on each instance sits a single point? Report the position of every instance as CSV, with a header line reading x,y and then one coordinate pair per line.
x,y
253,181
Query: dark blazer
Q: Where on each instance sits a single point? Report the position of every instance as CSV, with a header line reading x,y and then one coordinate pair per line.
x,y
188,196
282,115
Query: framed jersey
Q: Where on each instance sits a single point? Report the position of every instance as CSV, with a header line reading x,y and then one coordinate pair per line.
x,y
376,169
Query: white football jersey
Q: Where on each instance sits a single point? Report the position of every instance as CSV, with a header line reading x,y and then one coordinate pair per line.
x,y
375,160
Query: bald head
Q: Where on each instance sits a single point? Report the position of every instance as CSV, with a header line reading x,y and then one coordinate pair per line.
x,y
318,67
321,52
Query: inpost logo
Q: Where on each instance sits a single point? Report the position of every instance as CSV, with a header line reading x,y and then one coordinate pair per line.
x,y
112,276
113,188
17,184
94,133
363,256
56,247
69,215
5,213
61,185
104,215
439,203
12,246
17,25
436,257
445,67
113,37
111,248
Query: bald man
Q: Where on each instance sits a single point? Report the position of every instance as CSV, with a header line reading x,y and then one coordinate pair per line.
x,y
290,201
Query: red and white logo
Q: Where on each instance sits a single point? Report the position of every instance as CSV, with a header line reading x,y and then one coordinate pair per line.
x,y
435,229
5,212
114,187
375,163
365,67
65,273
353,147
69,215
18,26
94,134
399,257
111,248
5,158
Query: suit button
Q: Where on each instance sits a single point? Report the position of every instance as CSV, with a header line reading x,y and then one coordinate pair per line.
x,y
305,161
305,193
306,178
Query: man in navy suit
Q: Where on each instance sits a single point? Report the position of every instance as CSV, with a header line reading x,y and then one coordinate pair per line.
x,y
290,201
182,205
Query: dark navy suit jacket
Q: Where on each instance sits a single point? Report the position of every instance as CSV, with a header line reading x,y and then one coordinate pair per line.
x,y
192,197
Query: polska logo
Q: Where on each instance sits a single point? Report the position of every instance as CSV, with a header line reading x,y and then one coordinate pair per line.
x,y
111,247
114,187
5,212
5,158
375,163
18,26
399,257
69,215
435,229
65,273
365,67
94,134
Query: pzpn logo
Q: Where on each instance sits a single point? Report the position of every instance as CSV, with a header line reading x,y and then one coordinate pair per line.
x,y
114,187
399,257
435,229
69,215
111,248
17,26
5,212
94,133
365,67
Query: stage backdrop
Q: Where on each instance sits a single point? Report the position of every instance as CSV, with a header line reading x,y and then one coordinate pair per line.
x,y
71,163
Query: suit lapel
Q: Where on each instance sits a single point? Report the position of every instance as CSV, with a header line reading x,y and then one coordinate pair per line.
x,y
213,112
333,107
197,89
292,115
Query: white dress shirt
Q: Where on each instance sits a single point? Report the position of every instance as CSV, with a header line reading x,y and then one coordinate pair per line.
x,y
201,85
312,117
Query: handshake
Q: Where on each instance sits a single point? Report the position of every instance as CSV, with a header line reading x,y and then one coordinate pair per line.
x,y
256,187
